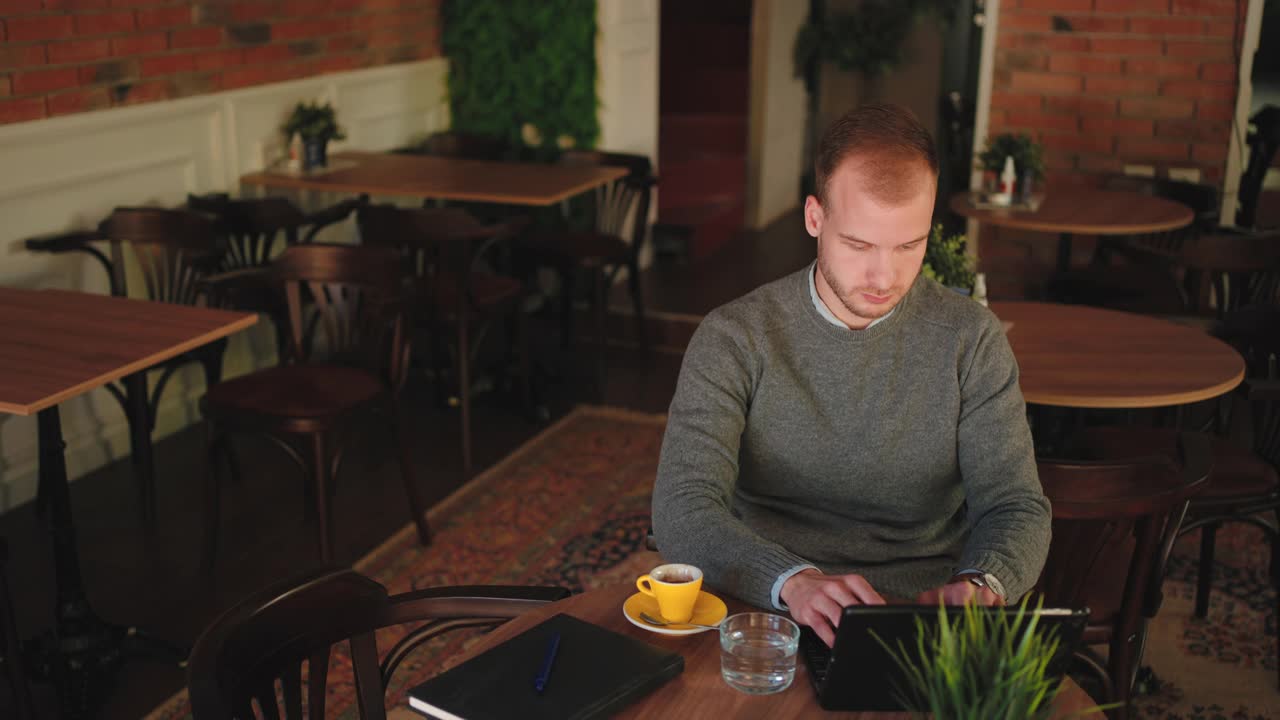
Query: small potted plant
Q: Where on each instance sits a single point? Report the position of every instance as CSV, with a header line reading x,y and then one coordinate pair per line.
x,y
979,665
946,261
315,124
1028,159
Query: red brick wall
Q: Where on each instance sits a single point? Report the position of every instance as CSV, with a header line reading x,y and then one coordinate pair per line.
x,y
1104,83
67,56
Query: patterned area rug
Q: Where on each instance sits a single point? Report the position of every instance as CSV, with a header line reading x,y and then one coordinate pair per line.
x,y
571,508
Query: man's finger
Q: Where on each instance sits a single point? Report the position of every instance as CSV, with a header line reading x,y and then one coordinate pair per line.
x,y
841,594
862,589
828,608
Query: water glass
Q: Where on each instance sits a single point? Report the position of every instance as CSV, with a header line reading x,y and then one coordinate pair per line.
x,y
758,652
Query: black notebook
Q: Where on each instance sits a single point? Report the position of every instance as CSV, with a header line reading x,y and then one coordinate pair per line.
x,y
596,673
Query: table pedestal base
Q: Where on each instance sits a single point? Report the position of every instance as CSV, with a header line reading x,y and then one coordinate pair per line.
x,y
81,654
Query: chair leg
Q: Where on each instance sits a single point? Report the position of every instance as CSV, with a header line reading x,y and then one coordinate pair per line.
x,y
1204,581
637,300
463,368
1120,666
598,306
525,364
320,476
400,430
568,286
211,512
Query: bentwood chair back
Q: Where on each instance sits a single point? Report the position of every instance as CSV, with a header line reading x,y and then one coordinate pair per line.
x,y
1114,523
266,641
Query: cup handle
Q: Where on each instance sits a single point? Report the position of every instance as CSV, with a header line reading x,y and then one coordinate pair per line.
x,y
642,583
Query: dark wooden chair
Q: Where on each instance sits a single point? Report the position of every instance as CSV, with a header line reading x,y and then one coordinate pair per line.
x,y
1244,485
256,230
447,249
170,252
263,642
454,143
614,243
10,656
342,368
1141,273
1263,141
1114,523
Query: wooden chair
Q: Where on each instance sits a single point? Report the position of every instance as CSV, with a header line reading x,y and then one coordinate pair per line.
x,y
1263,141
1114,523
1147,278
254,229
342,368
10,656
239,660
614,243
453,143
447,248
166,253
1244,484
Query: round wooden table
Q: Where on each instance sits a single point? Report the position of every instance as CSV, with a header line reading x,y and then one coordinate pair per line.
x,y
1088,211
1083,357
699,691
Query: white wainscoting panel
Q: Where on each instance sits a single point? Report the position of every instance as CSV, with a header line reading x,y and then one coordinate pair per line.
x,y
69,172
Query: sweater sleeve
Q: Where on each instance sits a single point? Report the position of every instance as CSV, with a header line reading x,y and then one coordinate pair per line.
x,y
1009,514
693,521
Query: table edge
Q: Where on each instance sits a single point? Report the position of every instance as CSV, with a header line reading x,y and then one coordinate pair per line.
x,y
959,203
248,320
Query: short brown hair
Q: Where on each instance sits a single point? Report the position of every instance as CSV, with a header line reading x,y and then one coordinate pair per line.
x,y
888,139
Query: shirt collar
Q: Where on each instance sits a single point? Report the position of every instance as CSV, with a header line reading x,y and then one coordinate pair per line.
x,y
826,311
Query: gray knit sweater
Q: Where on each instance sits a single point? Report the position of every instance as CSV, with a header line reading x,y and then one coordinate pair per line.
x,y
900,452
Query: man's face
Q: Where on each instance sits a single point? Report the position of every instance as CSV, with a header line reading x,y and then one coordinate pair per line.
x,y
869,250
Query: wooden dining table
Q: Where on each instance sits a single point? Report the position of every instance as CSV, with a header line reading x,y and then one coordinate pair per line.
x,y
1075,356
1070,211
434,177
699,691
56,345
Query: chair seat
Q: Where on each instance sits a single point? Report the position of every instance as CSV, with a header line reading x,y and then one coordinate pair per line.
x,y
600,248
487,290
295,391
1238,473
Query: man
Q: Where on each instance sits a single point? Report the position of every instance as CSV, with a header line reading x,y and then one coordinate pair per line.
x,y
854,430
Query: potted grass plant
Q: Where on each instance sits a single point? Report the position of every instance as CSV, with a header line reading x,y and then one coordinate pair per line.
x,y
979,666
315,124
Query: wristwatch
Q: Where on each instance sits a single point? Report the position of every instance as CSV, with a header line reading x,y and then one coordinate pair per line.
x,y
986,580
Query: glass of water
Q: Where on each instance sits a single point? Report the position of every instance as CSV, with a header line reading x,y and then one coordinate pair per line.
x,y
758,652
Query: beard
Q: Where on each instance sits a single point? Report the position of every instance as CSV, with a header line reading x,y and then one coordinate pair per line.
x,y
851,298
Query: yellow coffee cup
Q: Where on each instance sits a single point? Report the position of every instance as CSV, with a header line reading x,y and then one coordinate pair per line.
x,y
675,586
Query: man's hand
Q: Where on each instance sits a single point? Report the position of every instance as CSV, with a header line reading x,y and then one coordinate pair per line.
x,y
958,591
817,600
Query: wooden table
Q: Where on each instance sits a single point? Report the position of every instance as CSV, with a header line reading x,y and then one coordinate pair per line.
x,y
699,691
56,345
1088,211
1083,357
445,178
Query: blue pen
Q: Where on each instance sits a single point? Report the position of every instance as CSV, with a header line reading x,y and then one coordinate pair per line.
x,y
540,682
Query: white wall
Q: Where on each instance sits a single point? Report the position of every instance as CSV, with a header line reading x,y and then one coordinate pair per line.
x,y
627,75
69,172
775,159
627,83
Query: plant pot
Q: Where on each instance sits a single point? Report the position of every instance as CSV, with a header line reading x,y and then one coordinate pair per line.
x,y
314,154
